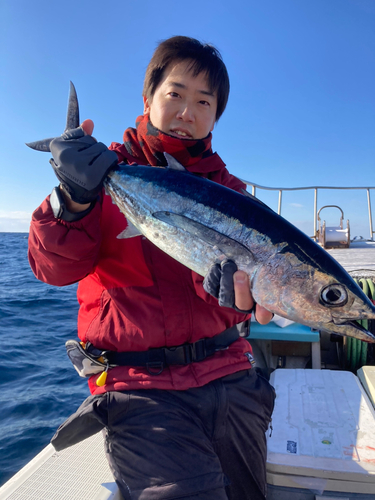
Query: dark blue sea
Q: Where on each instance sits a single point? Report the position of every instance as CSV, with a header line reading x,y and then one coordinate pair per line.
x,y
39,387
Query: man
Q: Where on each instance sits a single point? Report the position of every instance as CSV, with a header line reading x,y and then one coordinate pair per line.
x,y
190,428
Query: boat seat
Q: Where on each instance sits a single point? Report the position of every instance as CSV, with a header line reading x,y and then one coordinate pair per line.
x,y
294,332
266,335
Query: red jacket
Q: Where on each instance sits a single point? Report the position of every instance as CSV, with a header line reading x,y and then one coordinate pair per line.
x,y
133,296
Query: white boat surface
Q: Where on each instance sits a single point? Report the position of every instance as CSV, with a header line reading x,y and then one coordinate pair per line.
x,y
358,259
80,472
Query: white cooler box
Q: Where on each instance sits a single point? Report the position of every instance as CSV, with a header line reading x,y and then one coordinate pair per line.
x,y
366,375
322,445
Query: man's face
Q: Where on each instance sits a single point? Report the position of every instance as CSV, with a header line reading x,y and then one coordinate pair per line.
x,y
183,105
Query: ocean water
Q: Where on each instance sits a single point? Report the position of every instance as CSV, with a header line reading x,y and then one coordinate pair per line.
x,y
39,387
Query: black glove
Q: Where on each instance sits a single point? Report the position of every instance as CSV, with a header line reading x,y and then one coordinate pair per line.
x,y
81,164
219,283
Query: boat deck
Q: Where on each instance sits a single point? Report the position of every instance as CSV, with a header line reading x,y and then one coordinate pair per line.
x,y
80,472
358,259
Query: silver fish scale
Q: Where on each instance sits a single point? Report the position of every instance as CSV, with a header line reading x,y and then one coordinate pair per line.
x,y
139,208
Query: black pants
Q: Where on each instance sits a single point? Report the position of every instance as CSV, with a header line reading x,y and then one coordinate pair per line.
x,y
205,443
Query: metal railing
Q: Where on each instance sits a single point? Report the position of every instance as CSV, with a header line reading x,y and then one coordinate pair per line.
x,y
254,187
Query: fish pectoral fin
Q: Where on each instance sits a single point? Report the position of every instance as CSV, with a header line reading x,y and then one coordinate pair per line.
x,y
173,163
129,232
227,246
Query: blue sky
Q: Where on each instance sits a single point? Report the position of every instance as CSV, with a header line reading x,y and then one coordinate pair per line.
x,y
301,110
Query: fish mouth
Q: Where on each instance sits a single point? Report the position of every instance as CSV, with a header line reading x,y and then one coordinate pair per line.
x,y
349,328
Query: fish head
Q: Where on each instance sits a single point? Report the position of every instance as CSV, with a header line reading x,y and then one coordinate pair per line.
x,y
323,297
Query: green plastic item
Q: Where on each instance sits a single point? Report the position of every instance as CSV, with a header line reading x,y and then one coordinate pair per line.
x,y
356,354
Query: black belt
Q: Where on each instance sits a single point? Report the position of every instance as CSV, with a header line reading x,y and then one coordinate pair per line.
x,y
157,358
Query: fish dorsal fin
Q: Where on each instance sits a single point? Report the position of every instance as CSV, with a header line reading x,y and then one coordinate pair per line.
x,y
227,246
129,232
173,163
254,198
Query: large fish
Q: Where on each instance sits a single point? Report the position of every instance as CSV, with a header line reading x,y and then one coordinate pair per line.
x,y
199,222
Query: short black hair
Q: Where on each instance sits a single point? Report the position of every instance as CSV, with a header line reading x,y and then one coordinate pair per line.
x,y
205,58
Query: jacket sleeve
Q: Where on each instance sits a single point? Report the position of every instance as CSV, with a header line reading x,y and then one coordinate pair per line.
x,y
61,253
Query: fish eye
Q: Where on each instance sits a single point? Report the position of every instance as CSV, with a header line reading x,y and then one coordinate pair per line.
x,y
334,295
